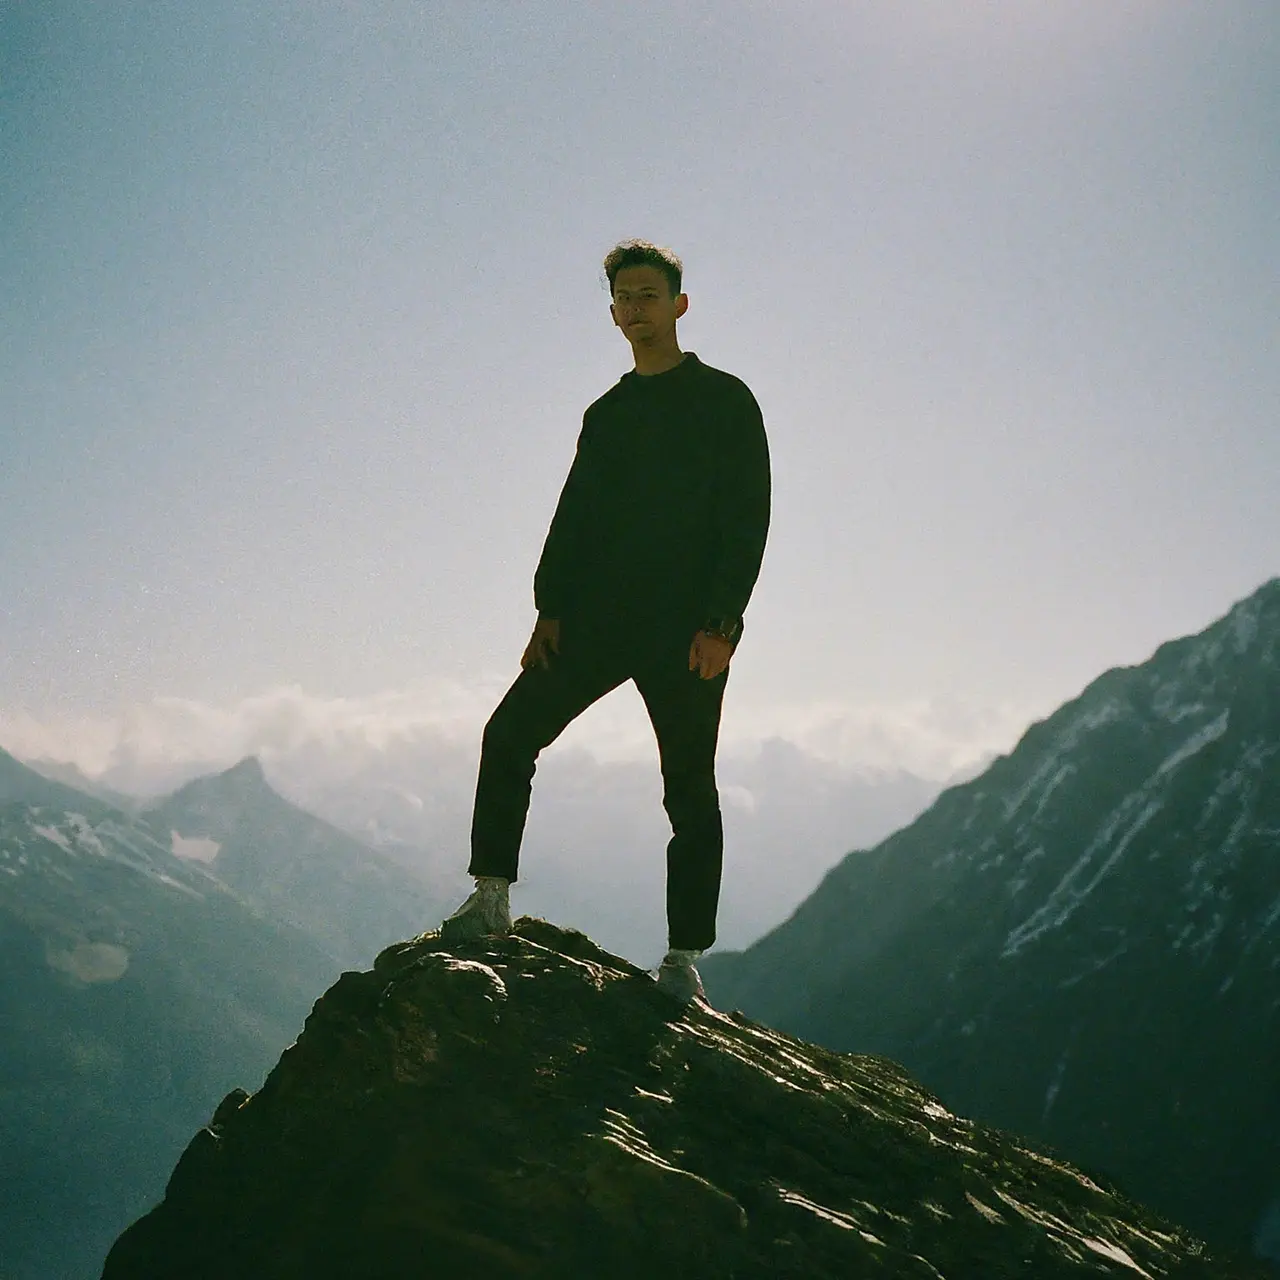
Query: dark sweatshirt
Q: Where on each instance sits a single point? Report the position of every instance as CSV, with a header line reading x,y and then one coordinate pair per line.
x,y
663,518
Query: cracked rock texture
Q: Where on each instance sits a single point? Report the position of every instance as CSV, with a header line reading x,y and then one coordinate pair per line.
x,y
533,1106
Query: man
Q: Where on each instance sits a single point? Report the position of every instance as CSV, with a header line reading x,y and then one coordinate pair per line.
x,y
651,557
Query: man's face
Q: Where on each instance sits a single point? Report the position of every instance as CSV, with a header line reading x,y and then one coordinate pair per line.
x,y
643,307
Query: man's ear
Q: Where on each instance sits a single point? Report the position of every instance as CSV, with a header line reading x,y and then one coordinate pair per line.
x,y
682,305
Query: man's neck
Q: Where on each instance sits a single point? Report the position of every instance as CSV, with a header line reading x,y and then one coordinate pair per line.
x,y
650,362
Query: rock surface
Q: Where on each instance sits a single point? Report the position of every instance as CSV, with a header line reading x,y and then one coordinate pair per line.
x,y
533,1106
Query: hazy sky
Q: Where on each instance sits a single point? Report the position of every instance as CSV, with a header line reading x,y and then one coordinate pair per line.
x,y
301,304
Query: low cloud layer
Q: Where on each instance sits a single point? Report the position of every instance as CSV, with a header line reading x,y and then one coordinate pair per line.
x,y
800,787
154,745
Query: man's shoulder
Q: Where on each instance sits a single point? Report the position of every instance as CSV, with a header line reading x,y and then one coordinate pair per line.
x,y
723,383
601,403
712,373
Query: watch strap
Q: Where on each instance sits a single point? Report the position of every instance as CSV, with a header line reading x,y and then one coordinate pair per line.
x,y
724,628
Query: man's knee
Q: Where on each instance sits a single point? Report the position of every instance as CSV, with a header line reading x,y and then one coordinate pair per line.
x,y
511,735
692,793
501,733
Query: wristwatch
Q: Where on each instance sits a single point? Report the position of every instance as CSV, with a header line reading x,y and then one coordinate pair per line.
x,y
723,628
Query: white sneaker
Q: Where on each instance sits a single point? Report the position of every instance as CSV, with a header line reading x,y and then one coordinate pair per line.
x,y
487,911
678,977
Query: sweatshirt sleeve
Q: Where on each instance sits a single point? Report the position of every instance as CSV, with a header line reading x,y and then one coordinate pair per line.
x,y
740,509
560,567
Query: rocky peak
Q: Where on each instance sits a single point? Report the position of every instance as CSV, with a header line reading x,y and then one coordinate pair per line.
x,y
245,777
533,1106
295,866
248,769
214,804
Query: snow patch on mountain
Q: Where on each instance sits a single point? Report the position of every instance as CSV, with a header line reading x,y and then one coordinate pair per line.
x,y
52,833
1271,917
1095,964
1062,774
1166,705
41,841
1078,883
193,848
84,834
1023,878
1055,1084
1092,718
1208,733
1066,898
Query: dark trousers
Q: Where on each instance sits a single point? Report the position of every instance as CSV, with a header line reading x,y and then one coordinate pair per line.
x,y
685,712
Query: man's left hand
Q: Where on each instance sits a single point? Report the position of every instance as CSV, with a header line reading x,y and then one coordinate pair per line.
x,y
709,655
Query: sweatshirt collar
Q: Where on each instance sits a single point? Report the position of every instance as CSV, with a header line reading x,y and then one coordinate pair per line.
x,y
632,378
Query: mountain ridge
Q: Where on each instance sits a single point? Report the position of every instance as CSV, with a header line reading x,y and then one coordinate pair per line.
x,y
20,784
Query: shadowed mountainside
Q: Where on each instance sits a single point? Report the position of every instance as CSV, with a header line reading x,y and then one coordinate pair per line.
x,y
138,987
136,990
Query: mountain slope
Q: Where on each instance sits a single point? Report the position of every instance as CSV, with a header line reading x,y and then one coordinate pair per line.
x,y
73,776
296,866
22,785
534,1107
1083,943
136,990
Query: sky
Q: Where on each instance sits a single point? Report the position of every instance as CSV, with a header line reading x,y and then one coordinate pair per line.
x,y
301,304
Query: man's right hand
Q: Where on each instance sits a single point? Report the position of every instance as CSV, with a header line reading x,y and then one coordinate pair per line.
x,y
545,638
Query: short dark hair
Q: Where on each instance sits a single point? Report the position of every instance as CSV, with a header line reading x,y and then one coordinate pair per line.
x,y
640,253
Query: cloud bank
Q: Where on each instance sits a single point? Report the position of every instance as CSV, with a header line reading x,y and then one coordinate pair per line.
x,y
152,745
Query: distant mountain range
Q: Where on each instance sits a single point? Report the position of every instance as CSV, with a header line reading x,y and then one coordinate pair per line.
x,y
596,827
295,866
1082,944
71,775
140,985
